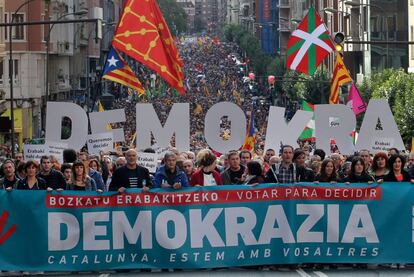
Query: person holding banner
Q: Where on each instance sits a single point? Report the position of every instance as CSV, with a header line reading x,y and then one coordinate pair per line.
x,y
299,158
254,174
284,172
169,175
379,168
54,179
328,173
358,172
131,175
233,174
206,175
397,173
80,179
32,181
9,181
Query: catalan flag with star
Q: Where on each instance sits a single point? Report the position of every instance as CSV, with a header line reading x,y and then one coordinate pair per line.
x,y
143,34
117,70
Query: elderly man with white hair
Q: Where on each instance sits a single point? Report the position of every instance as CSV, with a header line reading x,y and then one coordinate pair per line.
x,y
131,175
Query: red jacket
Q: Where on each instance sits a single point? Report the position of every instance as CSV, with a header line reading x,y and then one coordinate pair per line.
x,y
198,178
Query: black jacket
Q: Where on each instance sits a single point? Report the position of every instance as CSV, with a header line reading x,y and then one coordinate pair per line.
x,y
390,177
54,179
120,178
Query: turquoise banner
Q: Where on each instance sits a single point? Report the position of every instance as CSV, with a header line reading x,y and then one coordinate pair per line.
x,y
207,227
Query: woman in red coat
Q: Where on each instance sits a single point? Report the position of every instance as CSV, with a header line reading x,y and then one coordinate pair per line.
x,y
206,175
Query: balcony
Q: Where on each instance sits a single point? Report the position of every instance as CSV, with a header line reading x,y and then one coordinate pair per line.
x,y
284,4
285,26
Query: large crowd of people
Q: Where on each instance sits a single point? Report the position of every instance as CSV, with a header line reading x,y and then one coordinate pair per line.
x,y
214,72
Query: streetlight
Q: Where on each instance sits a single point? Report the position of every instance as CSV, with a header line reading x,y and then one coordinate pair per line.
x,y
356,4
11,75
81,12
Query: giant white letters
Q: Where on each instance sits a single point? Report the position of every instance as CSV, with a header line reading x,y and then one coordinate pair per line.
x,y
178,122
280,132
379,139
212,127
100,120
55,112
334,122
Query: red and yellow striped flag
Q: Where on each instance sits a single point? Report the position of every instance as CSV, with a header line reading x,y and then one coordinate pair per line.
x,y
340,77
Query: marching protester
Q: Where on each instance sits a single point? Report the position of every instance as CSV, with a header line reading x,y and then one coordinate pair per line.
x,y
170,175
397,173
253,174
245,157
9,180
188,168
358,172
54,179
307,174
206,175
233,174
285,171
80,178
130,175
328,172
66,170
379,168
32,180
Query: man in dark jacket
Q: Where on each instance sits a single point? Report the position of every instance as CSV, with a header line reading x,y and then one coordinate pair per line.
x,y
131,175
54,179
9,180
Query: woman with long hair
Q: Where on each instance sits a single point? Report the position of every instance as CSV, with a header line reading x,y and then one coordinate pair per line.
x,y
397,173
80,178
253,174
358,172
328,172
31,181
379,167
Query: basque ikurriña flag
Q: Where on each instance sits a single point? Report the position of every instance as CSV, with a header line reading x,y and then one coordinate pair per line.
x,y
117,70
309,44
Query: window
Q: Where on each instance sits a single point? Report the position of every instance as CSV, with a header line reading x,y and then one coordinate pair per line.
x,y
1,72
15,71
17,31
412,45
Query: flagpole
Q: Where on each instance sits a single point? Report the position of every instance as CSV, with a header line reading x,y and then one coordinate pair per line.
x,y
321,82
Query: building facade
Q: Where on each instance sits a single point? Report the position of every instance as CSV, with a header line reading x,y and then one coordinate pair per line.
x,y
411,36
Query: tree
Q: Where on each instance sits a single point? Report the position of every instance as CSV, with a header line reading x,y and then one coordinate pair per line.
x,y
398,88
174,15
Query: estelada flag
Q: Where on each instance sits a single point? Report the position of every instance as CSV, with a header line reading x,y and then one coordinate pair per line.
x,y
340,77
309,44
117,70
250,138
143,34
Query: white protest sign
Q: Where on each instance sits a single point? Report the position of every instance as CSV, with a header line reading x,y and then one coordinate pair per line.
x,y
160,151
34,151
56,149
100,142
381,144
148,160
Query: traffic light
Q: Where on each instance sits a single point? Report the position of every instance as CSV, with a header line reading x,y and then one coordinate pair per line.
x,y
339,42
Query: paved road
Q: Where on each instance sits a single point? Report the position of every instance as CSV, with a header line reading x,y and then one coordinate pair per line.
x,y
247,273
